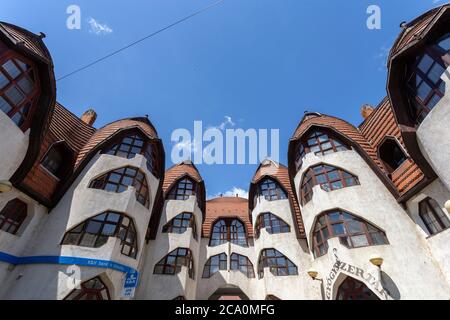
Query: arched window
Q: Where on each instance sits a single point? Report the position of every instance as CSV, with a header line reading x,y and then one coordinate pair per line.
x,y
433,216
271,190
425,83
320,143
391,154
279,265
12,216
181,223
328,177
242,264
57,160
18,90
352,289
172,263
95,232
182,190
129,146
120,179
352,232
232,230
94,289
214,264
272,223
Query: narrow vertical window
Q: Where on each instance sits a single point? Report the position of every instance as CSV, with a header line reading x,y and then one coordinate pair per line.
x,y
433,216
391,154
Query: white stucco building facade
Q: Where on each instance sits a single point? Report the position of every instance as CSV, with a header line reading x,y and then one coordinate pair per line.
x,y
359,212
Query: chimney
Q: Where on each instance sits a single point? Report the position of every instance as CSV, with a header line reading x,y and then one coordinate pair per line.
x,y
89,117
366,111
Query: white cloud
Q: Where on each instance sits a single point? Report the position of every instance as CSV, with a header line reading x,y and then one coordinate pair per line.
x,y
382,57
99,28
187,145
232,193
227,123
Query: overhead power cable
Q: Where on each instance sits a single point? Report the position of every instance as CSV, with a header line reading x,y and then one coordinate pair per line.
x,y
140,40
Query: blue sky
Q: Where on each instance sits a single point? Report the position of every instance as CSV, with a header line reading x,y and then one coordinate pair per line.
x,y
260,62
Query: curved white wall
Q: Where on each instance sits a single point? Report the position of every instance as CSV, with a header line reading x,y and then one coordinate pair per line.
x,y
433,135
78,204
372,201
15,142
155,286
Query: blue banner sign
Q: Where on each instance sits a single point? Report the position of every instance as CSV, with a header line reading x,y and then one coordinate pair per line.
x,y
131,278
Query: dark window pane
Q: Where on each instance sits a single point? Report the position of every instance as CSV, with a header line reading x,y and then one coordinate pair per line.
x,y
425,63
436,72
11,69
423,91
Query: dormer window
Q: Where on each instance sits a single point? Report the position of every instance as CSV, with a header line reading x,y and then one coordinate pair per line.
x,y
320,143
18,90
391,154
271,190
425,84
129,146
182,190
57,160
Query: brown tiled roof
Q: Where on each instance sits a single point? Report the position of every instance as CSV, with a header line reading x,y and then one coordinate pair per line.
x,y
226,207
109,130
64,126
68,127
178,171
31,42
414,29
343,127
280,173
380,124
